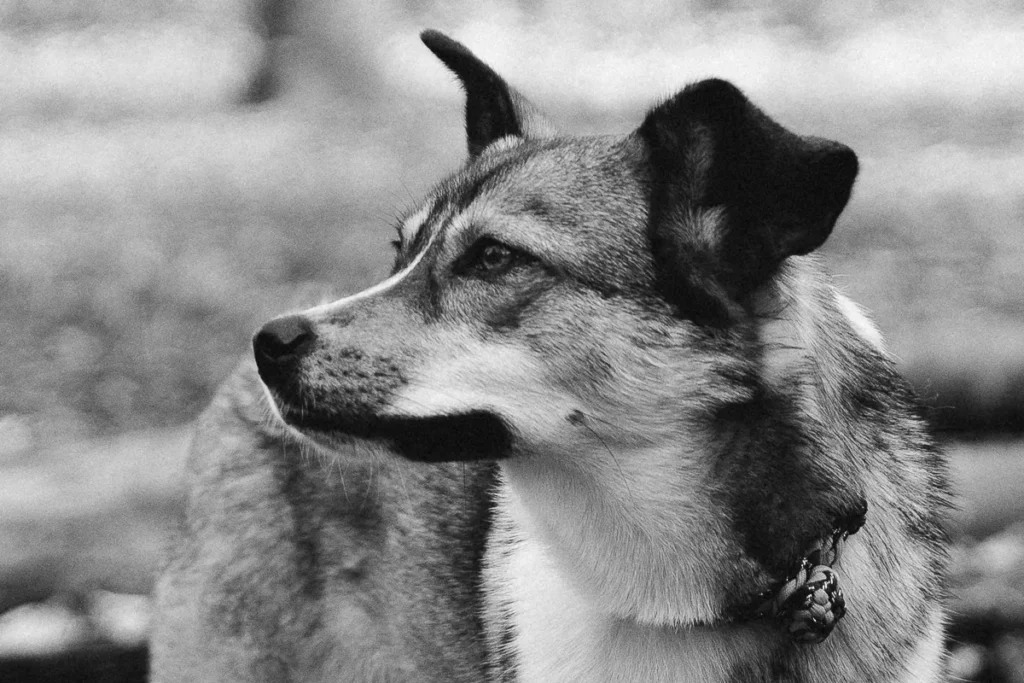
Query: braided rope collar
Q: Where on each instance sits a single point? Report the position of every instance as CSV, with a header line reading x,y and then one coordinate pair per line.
x,y
808,603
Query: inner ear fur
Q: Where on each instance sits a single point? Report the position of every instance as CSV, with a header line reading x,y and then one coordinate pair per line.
x,y
733,195
493,108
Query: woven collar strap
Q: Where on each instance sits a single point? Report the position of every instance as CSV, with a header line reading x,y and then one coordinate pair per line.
x,y
809,602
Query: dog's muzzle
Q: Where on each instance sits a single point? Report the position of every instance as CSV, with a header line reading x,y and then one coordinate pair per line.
x,y
358,409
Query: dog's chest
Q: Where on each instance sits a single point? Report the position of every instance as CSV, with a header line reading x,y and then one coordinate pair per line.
x,y
546,630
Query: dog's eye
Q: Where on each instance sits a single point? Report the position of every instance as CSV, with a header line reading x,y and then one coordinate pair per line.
x,y
494,257
489,258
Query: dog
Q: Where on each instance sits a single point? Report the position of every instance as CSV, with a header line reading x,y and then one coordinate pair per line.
x,y
606,408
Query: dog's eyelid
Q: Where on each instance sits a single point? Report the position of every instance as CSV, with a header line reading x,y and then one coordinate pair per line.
x,y
484,240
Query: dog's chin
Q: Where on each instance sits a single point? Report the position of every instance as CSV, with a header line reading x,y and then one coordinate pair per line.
x,y
457,437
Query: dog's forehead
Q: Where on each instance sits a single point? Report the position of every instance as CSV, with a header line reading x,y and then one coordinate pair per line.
x,y
589,192
456,192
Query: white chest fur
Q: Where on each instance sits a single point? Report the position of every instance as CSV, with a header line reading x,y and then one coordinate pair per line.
x,y
557,634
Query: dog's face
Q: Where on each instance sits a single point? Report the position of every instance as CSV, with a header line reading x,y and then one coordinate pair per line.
x,y
563,294
522,303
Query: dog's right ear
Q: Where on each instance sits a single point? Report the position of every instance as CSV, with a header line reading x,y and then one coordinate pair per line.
x,y
493,109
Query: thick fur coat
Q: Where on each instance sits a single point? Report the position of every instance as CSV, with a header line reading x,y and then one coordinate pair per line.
x,y
604,399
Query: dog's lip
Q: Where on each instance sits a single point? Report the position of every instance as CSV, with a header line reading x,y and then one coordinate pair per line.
x,y
448,437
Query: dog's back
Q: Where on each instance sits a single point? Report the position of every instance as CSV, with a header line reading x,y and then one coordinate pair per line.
x,y
290,568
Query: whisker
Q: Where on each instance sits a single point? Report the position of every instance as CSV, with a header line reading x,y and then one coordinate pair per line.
x,y
398,466
615,459
369,488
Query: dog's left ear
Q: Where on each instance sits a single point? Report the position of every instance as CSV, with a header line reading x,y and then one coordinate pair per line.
x,y
493,108
734,195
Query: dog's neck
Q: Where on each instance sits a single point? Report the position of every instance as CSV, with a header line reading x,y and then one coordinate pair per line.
x,y
628,540
582,596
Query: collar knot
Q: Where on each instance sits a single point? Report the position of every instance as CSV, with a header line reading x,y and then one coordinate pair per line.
x,y
809,602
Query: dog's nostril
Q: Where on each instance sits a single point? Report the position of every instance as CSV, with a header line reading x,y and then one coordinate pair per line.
x,y
283,339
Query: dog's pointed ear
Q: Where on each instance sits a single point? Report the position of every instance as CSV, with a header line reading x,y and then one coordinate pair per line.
x,y
734,195
493,108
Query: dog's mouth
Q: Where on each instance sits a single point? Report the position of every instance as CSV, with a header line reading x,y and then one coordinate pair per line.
x,y
473,435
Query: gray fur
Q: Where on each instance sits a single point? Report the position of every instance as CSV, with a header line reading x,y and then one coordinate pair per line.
x,y
278,543
673,432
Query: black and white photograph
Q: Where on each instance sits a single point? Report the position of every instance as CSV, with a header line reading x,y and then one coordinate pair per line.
x,y
513,341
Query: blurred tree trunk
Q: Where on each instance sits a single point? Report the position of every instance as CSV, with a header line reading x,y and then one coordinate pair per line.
x,y
318,51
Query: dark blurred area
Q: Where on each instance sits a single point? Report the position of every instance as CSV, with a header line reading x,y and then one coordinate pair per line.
x,y
174,172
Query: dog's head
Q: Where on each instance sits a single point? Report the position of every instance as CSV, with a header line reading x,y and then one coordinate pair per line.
x,y
561,294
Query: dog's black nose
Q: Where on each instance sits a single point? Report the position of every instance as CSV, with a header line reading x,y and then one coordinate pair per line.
x,y
282,341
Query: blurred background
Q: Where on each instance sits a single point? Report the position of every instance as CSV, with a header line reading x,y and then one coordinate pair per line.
x,y
174,172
